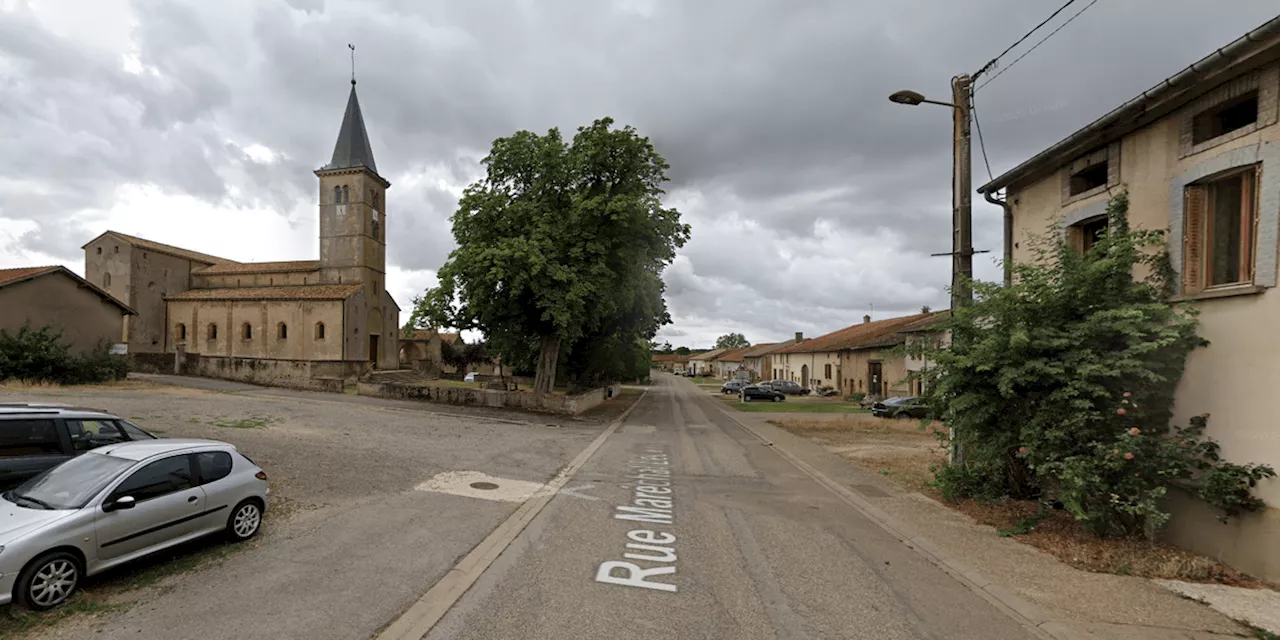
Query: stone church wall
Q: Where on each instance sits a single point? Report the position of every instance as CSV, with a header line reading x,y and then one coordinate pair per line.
x,y
237,280
301,336
296,374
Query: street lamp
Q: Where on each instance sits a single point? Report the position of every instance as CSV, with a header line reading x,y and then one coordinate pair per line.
x,y
961,205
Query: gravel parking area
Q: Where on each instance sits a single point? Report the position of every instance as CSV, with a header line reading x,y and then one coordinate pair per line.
x,y
351,539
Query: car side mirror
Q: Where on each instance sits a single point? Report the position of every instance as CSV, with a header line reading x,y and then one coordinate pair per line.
x,y
123,502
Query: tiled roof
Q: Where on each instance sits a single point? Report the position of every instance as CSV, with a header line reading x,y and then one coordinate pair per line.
x,y
927,324
859,336
159,247
708,355
14,276
732,355
766,349
288,266
669,357
296,292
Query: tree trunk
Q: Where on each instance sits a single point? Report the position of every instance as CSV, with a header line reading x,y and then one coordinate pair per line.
x,y
548,355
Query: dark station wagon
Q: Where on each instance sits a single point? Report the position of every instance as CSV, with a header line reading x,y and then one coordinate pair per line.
x,y
35,437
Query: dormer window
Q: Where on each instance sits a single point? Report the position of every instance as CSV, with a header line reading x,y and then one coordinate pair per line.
x,y
1091,174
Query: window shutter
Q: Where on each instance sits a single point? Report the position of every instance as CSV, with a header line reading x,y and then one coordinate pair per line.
x,y
1193,239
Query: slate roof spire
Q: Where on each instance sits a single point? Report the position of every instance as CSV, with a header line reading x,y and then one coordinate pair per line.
x,y
352,150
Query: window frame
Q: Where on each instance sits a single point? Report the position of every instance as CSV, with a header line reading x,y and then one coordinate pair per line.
x,y
1197,257
199,477
124,437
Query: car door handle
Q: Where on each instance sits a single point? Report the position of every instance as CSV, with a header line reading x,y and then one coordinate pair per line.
x,y
192,499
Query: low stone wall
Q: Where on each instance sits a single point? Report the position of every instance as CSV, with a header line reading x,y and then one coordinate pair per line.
x,y
567,405
151,362
294,374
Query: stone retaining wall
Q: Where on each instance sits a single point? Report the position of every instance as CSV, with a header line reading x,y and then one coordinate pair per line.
x,y
562,404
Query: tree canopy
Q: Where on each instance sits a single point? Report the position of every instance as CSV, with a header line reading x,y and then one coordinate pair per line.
x,y
561,248
732,341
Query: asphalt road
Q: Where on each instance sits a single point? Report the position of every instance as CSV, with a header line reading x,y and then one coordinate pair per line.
x,y
750,548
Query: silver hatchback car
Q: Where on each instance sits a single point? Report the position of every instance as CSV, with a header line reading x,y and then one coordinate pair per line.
x,y
117,503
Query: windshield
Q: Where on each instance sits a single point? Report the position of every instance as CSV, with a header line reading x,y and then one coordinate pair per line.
x,y
71,484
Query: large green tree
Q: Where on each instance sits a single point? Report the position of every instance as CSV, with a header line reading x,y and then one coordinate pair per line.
x,y
561,248
732,341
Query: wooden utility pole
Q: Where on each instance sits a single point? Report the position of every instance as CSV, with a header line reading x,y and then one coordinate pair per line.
x,y
961,200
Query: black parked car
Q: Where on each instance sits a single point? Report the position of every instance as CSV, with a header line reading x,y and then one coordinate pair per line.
x,y
733,386
909,407
757,392
35,437
788,387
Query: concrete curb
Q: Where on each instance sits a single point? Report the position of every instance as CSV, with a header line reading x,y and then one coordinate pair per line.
x,y
1026,613
421,616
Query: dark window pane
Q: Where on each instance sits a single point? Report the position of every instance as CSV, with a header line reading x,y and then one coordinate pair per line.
x,y
1091,232
214,465
157,479
1224,229
134,432
28,437
91,434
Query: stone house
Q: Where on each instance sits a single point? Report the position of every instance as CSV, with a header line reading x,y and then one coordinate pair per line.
x,y
759,359
924,333
301,323
700,363
422,349
862,358
727,364
1199,155
84,313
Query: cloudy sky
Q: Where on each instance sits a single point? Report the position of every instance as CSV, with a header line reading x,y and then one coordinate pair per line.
x,y
813,199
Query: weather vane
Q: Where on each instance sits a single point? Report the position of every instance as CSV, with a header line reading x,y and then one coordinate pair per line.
x,y
352,47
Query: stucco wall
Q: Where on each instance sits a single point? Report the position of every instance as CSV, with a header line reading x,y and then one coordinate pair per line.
x,y
254,280
60,301
265,317
793,365
893,370
1233,378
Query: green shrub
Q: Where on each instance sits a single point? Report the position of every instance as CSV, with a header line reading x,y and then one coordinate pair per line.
x,y
856,397
40,355
1061,387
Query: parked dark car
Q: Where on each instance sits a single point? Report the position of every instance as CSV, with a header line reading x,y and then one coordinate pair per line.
x,y
733,386
788,387
909,407
757,392
35,437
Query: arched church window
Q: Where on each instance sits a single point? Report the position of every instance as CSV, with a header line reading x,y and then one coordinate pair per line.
x,y
246,331
319,331
346,195
282,331
213,331
337,195
181,331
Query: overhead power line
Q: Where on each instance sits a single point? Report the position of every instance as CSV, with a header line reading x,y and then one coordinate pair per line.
x,y
1037,45
973,109
996,59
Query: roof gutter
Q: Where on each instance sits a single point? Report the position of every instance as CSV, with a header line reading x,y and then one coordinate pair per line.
x,y
1008,235
1216,61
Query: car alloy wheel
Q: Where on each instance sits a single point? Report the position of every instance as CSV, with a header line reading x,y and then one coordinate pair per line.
x,y
777,399
245,521
49,581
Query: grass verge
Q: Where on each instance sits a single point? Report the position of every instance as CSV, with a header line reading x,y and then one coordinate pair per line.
x,y
789,406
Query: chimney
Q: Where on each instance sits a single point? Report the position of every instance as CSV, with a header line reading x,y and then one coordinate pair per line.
x,y
866,319
799,337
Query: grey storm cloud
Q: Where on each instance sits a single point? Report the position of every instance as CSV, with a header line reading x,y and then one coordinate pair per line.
x,y
811,196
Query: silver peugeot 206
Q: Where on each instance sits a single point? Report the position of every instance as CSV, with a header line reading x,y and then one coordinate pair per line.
x,y
117,503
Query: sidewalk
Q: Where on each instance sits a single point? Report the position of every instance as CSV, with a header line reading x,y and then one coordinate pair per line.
x,y
1064,601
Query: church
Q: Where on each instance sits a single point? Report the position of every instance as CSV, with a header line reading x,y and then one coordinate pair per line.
x,y
302,323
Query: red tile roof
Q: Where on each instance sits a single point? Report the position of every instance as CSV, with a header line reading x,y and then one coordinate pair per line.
x,y
14,276
427,334
732,355
766,349
296,292
167,249
859,336
289,266
707,355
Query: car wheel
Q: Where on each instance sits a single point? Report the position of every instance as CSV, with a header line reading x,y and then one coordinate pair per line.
x,y
902,415
245,521
777,399
48,581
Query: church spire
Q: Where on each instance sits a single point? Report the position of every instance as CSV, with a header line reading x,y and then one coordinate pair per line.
x,y
352,150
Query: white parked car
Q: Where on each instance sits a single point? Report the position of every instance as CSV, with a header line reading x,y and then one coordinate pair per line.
x,y
117,503
470,377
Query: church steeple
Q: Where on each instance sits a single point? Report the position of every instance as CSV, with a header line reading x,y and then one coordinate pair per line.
x,y
353,150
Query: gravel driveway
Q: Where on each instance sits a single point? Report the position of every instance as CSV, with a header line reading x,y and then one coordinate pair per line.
x,y
351,539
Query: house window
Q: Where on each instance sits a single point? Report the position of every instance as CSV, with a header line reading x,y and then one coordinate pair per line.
x,y
1218,231
319,331
213,331
181,331
106,280
1089,178
282,331
246,331
827,372
1083,235
1223,118
117,249
99,250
